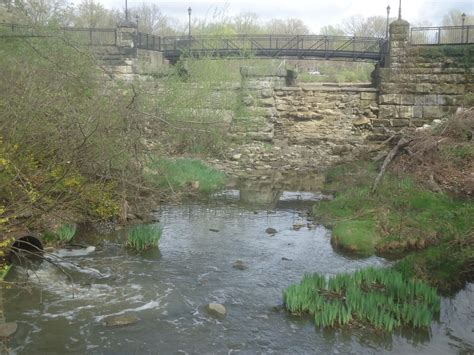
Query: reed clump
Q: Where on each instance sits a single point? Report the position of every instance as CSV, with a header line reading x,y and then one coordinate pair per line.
x,y
144,236
66,232
381,298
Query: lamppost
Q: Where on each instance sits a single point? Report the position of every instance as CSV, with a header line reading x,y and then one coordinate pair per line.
x,y
189,26
137,18
463,18
388,16
126,11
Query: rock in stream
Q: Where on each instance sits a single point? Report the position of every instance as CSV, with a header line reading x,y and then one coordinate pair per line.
x,y
121,320
216,310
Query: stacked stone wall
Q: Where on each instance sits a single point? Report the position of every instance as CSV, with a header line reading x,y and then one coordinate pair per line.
x,y
421,83
312,114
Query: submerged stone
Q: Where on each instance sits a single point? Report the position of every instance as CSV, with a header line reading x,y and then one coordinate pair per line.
x,y
298,226
271,231
8,329
216,310
240,265
121,320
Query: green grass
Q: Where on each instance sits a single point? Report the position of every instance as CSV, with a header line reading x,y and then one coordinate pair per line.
x,y
401,216
447,266
144,236
62,235
180,174
380,298
338,73
460,153
4,270
356,236
66,232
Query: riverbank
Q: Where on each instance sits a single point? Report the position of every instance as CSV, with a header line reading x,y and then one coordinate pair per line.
x,y
423,207
209,253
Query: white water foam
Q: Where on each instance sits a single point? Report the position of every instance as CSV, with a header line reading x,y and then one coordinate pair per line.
x,y
149,305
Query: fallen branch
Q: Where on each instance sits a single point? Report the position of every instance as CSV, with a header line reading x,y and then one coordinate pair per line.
x,y
388,159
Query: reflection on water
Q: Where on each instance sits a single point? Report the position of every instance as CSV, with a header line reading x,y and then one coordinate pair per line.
x,y
167,288
275,192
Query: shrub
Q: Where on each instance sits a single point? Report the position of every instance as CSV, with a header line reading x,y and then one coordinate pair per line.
x,y
180,173
144,236
64,134
381,298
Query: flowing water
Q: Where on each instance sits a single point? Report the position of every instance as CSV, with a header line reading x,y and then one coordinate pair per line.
x,y
167,289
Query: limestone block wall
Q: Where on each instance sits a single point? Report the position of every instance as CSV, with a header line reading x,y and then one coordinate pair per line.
x,y
257,119
311,114
421,83
149,61
334,119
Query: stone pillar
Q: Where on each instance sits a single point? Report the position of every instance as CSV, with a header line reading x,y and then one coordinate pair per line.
x,y
398,43
395,98
126,48
258,97
127,32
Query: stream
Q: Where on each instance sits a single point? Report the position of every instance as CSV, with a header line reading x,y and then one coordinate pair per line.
x,y
167,289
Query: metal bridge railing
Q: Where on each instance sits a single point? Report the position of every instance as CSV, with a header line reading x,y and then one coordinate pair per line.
x,y
442,35
15,29
357,48
91,36
148,41
81,36
275,45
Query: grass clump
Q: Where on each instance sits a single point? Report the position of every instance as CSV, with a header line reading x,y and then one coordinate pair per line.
x,y
401,216
356,236
66,232
144,236
381,298
182,174
447,266
63,234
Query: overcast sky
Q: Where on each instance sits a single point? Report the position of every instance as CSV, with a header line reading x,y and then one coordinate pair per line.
x,y
315,13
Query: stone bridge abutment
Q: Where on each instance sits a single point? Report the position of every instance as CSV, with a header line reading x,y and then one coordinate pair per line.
x,y
412,86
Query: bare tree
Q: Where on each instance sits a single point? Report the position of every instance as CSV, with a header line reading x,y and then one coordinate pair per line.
x,y
152,20
291,26
332,31
42,12
454,18
90,13
360,26
246,23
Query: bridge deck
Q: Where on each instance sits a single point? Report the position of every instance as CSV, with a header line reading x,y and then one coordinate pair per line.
x,y
271,46
300,46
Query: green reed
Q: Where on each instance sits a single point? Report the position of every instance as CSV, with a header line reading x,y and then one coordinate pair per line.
x,y
66,232
144,236
379,297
